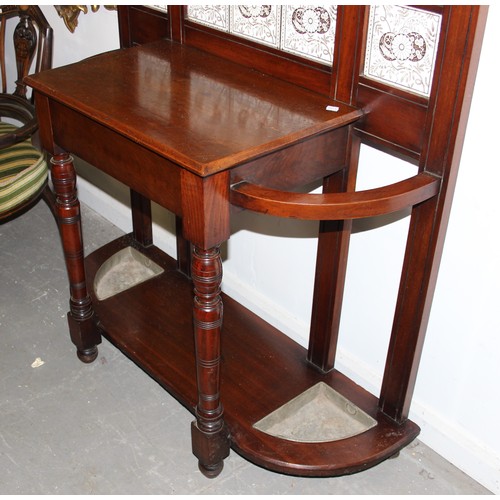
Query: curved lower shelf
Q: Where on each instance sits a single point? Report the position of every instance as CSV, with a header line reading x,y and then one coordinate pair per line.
x,y
262,370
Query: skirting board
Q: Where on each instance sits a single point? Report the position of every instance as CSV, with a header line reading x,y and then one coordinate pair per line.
x,y
452,442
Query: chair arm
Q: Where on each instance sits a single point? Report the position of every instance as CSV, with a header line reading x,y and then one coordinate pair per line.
x,y
21,110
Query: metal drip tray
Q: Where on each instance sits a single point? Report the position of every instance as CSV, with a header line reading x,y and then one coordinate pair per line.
x,y
320,414
125,269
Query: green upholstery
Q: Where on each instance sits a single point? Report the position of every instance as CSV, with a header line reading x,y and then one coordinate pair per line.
x,y
23,172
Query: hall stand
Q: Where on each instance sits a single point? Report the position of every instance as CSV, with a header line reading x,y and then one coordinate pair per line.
x,y
247,378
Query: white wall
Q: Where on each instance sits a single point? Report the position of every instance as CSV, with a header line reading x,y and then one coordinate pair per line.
x,y
456,399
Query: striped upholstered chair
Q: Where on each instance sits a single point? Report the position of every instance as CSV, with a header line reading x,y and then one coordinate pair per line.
x,y
23,168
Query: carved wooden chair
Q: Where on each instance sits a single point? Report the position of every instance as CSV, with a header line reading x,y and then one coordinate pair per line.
x,y
23,168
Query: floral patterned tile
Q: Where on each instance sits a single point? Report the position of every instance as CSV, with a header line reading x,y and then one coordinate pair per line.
x,y
161,8
401,47
256,22
304,30
215,16
309,31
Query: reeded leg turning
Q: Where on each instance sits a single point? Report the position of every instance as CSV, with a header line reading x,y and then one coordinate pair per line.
x,y
210,438
82,322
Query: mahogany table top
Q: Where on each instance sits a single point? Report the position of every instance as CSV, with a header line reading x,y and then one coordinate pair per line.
x,y
200,111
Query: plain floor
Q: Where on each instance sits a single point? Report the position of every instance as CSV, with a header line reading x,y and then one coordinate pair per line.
x,y
107,428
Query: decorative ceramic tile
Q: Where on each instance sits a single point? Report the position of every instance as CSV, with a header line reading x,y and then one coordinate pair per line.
x,y
309,31
215,16
162,8
401,47
259,23
304,30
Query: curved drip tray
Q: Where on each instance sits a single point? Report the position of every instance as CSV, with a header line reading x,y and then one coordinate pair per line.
x,y
125,269
319,414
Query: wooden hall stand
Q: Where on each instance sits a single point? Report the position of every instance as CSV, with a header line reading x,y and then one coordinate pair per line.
x,y
206,124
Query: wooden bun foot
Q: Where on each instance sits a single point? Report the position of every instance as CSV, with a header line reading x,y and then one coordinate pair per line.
x,y
88,355
212,470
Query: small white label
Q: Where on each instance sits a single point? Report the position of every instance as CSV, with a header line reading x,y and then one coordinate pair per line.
x,y
332,108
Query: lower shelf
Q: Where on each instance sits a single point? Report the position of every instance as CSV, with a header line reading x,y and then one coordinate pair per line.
x,y
262,370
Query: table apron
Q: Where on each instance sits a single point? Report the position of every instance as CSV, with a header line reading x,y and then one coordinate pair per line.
x,y
298,165
141,169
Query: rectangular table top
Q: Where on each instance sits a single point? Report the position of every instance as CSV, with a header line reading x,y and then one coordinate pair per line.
x,y
202,112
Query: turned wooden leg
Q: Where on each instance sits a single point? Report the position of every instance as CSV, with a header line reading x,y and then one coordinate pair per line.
x,y
82,322
210,438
